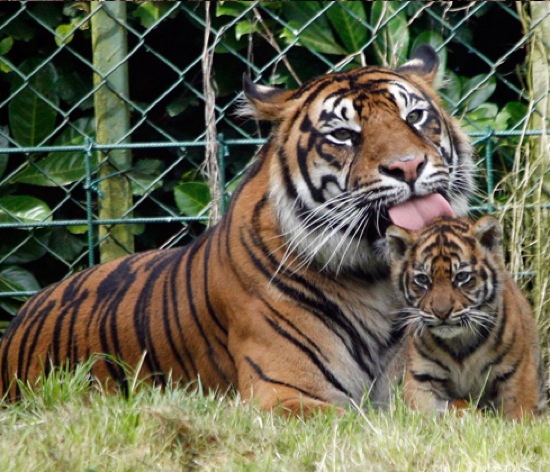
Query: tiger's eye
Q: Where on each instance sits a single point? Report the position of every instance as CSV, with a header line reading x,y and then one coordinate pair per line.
x,y
342,134
463,277
422,280
415,116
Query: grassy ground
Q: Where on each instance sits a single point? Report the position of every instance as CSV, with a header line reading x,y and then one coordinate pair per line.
x,y
67,426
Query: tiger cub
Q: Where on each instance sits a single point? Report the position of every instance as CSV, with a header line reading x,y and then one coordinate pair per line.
x,y
471,332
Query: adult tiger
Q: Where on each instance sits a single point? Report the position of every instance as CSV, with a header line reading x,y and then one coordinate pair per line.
x,y
288,297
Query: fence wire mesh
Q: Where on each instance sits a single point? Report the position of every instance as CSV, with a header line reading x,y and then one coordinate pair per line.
x,y
61,151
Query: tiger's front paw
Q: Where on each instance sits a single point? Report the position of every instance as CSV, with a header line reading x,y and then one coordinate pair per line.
x,y
306,408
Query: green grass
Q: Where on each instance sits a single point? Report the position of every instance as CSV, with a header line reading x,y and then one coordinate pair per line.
x,y
68,425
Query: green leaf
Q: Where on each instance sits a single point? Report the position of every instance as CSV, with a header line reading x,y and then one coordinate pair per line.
x,y
23,209
61,168
511,116
180,104
452,89
192,197
16,279
245,27
4,143
150,13
73,86
144,175
137,228
392,43
64,34
231,8
4,159
46,13
481,118
22,29
21,247
55,170
483,90
78,229
351,31
65,245
31,118
317,35
6,45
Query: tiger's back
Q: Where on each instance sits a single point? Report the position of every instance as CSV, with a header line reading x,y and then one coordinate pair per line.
x,y
471,332
124,308
287,297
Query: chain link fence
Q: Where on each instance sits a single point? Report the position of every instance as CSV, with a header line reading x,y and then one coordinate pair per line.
x,y
118,131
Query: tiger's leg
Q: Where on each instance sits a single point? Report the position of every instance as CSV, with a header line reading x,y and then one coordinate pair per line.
x,y
518,394
285,383
422,396
288,401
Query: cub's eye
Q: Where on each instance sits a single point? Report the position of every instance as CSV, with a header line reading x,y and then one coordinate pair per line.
x,y
341,135
421,280
463,277
415,116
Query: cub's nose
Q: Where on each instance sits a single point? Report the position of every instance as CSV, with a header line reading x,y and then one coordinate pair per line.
x,y
442,311
406,169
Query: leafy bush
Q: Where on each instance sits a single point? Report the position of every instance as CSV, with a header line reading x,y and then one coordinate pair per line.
x,y
46,81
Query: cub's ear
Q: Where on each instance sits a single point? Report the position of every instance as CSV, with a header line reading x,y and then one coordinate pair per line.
x,y
424,63
399,241
264,102
488,232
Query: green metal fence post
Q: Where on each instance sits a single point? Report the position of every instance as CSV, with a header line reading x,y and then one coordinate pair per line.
x,y
112,124
88,189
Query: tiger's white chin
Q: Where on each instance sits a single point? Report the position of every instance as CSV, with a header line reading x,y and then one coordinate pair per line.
x,y
447,331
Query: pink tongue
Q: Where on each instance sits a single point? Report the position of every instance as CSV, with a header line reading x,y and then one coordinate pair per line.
x,y
418,212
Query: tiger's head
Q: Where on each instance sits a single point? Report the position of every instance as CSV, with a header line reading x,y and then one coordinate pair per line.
x,y
450,275
354,151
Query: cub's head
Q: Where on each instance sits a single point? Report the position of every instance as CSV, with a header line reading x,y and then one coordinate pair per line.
x,y
450,274
354,151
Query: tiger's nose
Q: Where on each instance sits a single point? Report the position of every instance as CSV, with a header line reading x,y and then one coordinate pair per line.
x,y
442,310
405,169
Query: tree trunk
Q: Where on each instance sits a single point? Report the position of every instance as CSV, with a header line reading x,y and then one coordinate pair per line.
x,y
109,50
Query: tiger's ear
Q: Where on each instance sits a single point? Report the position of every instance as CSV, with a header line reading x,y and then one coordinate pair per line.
x,y
399,241
264,102
423,63
488,232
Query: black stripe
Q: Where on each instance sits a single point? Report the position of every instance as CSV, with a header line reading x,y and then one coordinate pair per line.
x,y
423,378
33,343
295,328
329,376
193,251
142,316
5,343
206,267
291,192
173,313
427,352
110,293
505,376
319,308
265,378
